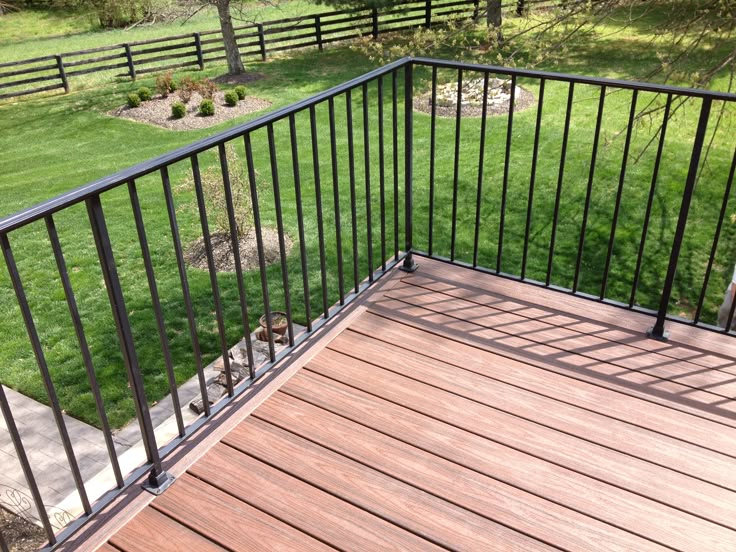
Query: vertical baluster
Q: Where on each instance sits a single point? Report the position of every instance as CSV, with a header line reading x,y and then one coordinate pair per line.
x,y
318,196
259,244
560,178
619,193
280,229
353,199
409,265
158,479
716,237
224,348
336,199
300,219
156,303
83,347
381,173
30,325
481,159
25,465
589,189
432,145
235,244
181,266
658,331
650,199
395,153
506,162
532,180
367,160
456,171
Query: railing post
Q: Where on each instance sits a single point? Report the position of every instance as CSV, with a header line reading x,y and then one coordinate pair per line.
x,y
262,41
198,47
658,332
374,18
318,31
158,480
129,57
409,265
428,14
62,73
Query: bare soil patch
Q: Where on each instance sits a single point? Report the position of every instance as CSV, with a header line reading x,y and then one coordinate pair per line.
x,y
234,80
471,104
20,534
158,111
195,255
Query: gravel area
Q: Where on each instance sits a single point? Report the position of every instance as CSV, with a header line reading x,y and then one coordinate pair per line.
x,y
158,111
196,257
20,534
472,99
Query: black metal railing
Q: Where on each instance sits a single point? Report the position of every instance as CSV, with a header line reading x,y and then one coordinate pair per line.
x,y
502,196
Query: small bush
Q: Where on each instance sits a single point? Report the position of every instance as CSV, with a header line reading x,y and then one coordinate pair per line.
x,y
207,108
207,88
173,87
144,93
240,91
165,84
187,87
134,100
231,99
178,110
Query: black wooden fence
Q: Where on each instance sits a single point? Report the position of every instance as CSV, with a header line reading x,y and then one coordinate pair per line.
x,y
52,72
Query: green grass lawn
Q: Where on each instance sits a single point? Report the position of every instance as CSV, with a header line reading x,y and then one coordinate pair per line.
x,y
54,143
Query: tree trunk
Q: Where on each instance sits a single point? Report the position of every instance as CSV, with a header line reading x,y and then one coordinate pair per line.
x,y
234,62
493,15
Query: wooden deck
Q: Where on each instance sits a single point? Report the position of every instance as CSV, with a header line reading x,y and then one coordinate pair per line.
x,y
458,410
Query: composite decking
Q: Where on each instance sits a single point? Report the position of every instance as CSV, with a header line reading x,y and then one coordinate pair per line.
x,y
460,410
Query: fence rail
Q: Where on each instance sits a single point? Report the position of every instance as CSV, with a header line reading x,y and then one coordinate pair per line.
x,y
359,220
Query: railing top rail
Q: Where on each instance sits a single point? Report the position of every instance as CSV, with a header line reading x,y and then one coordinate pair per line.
x,y
548,75
96,187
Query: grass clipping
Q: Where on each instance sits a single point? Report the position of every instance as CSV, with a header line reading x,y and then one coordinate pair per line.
x,y
220,237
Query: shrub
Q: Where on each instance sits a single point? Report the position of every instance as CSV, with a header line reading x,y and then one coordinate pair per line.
x,y
187,87
207,108
178,110
144,93
207,88
165,84
231,99
134,100
240,91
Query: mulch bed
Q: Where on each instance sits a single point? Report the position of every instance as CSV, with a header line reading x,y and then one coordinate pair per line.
x,y
524,100
20,534
158,111
195,255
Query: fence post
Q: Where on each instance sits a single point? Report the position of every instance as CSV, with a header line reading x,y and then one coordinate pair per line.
x,y
198,46
374,16
158,480
318,31
262,41
409,265
658,332
475,9
129,56
428,14
62,73
520,7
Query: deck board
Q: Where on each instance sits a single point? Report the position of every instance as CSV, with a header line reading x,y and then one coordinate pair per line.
x,y
466,411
